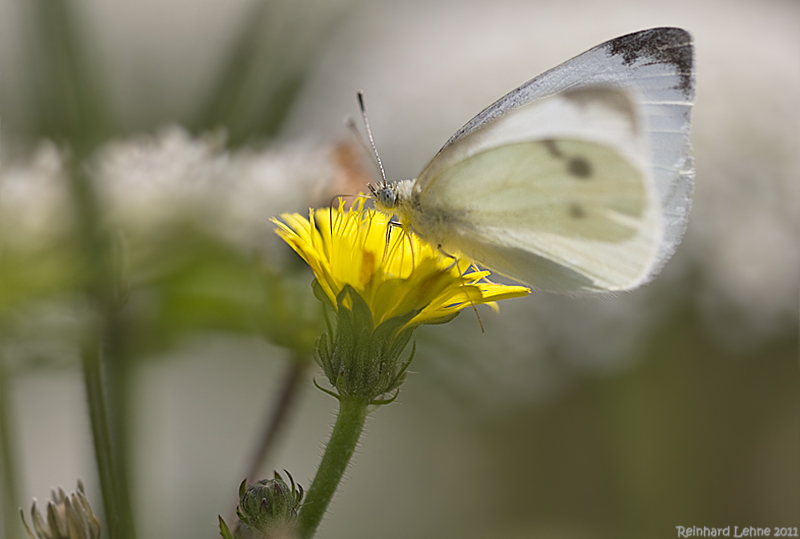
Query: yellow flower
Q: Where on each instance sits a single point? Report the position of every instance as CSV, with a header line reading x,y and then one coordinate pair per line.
x,y
382,284
393,271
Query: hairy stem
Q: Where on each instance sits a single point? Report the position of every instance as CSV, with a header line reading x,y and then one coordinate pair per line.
x,y
339,451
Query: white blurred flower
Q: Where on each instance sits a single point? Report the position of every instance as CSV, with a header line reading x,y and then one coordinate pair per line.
x,y
34,198
149,183
157,195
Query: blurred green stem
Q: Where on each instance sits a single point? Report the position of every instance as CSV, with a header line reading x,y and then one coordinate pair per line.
x,y
120,383
8,464
91,357
265,67
339,451
70,105
103,345
72,109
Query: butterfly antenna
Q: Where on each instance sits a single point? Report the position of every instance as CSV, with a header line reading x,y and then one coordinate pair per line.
x,y
351,125
369,134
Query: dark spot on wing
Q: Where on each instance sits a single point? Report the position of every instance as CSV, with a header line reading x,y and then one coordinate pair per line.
x,y
576,211
579,167
553,149
658,45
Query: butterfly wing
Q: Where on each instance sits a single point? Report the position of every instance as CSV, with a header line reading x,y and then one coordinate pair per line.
x,y
654,70
564,214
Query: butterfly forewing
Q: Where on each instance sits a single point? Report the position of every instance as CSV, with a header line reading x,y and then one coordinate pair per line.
x,y
500,189
654,68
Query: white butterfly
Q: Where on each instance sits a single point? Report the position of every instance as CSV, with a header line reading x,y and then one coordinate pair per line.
x,y
580,180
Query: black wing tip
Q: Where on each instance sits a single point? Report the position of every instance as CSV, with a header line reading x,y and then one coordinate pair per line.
x,y
664,45
670,32
666,35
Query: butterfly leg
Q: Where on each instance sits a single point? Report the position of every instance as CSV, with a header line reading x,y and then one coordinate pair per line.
x,y
396,224
445,254
455,264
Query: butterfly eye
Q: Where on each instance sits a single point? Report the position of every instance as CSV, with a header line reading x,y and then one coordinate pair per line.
x,y
384,194
387,197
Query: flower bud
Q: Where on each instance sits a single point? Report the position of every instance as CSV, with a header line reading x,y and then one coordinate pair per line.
x,y
68,517
268,509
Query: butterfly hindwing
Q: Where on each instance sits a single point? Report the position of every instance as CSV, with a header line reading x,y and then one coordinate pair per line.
x,y
578,204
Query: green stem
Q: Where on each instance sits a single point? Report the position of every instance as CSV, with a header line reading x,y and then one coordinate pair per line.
x,y
8,465
340,449
119,396
104,346
101,435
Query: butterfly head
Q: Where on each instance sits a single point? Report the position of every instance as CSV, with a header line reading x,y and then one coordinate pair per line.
x,y
384,194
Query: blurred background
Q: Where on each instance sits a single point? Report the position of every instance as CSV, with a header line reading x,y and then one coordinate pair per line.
x,y
569,418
